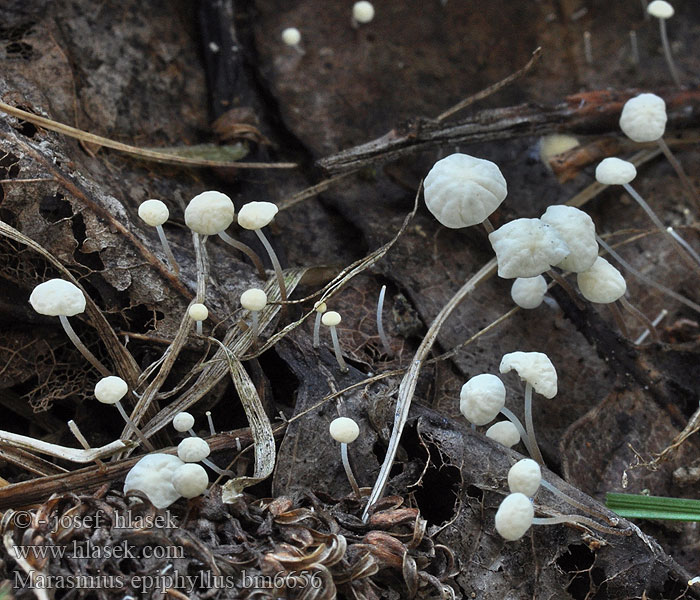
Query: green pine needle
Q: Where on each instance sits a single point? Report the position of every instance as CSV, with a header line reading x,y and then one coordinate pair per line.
x,y
638,506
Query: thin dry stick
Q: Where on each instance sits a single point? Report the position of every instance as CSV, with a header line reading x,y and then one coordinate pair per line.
x,y
153,155
410,380
492,89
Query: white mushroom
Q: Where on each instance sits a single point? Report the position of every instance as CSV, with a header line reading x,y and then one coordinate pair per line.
x,y
539,373
320,308
193,449
504,432
254,216
346,431
577,230
362,13
254,300
525,477
514,516
527,248
198,312
662,10
183,421
482,398
63,299
528,292
462,190
155,213
602,283
153,475
190,480
110,390
291,36
331,319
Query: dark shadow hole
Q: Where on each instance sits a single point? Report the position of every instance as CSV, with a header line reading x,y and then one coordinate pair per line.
x,y
91,260
577,562
19,50
54,208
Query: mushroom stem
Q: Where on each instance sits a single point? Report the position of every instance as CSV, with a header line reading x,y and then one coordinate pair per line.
x,y
689,249
336,349
142,438
217,470
211,423
619,319
575,503
83,442
255,326
633,310
662,228
348,469
487,225
566,286
174,267
317,330
634,47
667,53
639,275
82,348
247,250
587,47
380,327
275,264
202,265
577,520
511,416
530,426
678,168
198,327
655,322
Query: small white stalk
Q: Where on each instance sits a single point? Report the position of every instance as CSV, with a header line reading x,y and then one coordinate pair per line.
x,y
655,322
320,309
380,328
75,430
212,431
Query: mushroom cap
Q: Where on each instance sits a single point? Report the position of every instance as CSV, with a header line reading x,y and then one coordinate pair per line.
x,y
344,430
254,299
554,144
643,118
524,477
504,432
193,449
535,368
209,213
482,398
291,36
615,171
190,480
57,297
363,11
153,212
462,190
198,312
320,307
527,248
330,318
660,9
153,475
514,516
183,421
528,292
111,389
577,230
255,215
602,283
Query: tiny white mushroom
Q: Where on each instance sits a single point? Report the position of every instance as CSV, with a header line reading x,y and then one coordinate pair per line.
x,y
155,213
193,449
346,431
362,13
331,319
254,216
539,373
555,144
614,171
63,299
504,432
198,313
514,516
320,308
183,421
602,283
190,480
291,36
525,477
482,398
528,292
110,390
527,248
577,230
462,190
153,475
254,300
662,10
